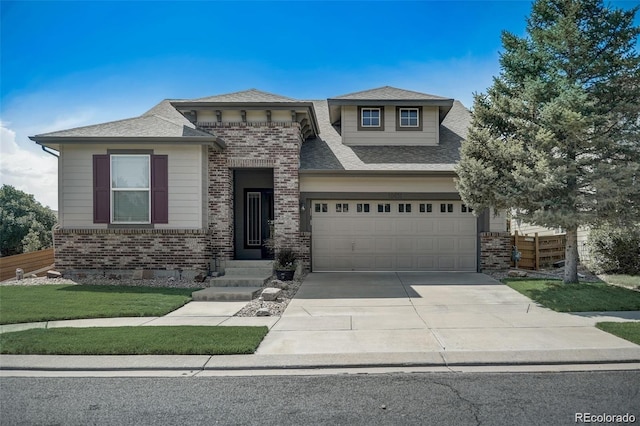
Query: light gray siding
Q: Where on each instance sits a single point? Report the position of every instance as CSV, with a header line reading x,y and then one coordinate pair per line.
x,y
389,136
185,185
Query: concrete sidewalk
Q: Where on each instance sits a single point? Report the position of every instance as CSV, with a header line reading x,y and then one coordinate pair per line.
x,y
354,320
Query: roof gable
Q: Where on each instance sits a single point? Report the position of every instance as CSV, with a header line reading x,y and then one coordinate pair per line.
x,y
246,96
389,93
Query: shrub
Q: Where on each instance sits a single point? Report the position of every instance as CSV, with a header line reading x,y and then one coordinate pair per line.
x,y
286,259
615,250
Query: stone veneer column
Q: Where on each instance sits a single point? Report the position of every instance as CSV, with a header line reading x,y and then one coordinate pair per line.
x,y
495,251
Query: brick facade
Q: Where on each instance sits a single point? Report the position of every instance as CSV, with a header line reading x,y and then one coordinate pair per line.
x,y
495,251
254,145
127,249
305,250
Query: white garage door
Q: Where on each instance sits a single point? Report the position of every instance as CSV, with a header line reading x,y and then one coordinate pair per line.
x,y
393,236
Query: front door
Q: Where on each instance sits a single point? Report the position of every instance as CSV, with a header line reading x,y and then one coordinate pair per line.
x,y
258,216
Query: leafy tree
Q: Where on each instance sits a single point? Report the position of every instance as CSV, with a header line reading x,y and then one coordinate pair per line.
x,y
556,136
25,224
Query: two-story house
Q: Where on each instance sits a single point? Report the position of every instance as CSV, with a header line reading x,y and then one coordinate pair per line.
x,y
362,182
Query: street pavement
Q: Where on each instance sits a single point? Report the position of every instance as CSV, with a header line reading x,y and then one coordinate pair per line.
x,y
339,320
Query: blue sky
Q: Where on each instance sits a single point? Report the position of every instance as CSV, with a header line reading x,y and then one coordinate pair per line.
x,y
68,64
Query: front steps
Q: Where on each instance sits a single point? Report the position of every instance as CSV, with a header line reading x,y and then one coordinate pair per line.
x,y
242,280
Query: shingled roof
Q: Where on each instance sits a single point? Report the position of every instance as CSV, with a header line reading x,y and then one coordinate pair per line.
x,y
251,95
160,122
389,96
328,153
388,93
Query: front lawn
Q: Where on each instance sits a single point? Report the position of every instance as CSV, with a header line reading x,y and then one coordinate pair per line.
x,y
582,297
149,340
626,330
20,304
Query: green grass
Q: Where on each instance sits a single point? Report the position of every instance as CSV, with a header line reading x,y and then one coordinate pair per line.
x,y
151,340
626,330
20,304
581,297
623,280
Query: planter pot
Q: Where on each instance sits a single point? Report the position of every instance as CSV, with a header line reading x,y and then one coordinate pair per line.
x,y
285,275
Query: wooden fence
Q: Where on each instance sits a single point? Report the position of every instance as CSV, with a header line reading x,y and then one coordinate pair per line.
x,y
28,262
537,252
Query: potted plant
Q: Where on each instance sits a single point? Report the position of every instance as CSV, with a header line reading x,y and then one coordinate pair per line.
x,y
285,264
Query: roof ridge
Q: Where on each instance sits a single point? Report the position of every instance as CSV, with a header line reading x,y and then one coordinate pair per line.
x,y
254,90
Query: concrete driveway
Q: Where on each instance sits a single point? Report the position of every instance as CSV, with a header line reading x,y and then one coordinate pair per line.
x,y
418,312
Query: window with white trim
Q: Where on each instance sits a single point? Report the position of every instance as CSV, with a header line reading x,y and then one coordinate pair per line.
x,y
409,117
370,117
363,207
130,188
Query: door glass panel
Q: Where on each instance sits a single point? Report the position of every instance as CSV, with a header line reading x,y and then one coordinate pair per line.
x,y
254,218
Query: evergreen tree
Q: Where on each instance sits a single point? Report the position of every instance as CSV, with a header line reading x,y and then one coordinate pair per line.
x,y
556,137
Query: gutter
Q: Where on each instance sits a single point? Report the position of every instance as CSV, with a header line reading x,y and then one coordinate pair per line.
x,y
342,172
84,140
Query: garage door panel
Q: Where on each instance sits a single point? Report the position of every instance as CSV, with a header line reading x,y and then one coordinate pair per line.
x,y
394,240
446,263
467,244
384,226
405,226
363,263
467,262
425,262
446,245
384,244
405,263
425,244
384,263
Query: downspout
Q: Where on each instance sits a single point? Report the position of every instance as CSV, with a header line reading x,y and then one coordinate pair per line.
x,y
54,153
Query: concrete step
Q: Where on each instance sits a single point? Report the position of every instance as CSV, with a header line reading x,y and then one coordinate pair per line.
x,y
223,294
239,281
248,271
249,264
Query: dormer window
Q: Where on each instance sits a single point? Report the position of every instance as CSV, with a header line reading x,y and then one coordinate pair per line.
x,y
408,118
371,118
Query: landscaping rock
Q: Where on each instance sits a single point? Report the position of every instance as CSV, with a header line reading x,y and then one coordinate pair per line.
x,y
271,294
279,284
33,276
53,274
263,312
200,278
517,273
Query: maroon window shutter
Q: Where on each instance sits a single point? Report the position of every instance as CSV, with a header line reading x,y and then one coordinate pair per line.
x,y
101,189
159,189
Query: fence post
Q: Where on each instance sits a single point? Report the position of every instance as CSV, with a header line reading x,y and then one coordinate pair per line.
x,y
537,246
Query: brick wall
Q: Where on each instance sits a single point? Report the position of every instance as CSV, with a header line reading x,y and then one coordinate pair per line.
x,y
127,249
305,250
254,145
495,251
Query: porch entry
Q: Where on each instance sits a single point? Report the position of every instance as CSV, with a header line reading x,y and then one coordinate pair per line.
x,y
254,213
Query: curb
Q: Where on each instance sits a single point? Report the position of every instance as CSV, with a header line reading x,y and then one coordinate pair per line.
x,y
316,361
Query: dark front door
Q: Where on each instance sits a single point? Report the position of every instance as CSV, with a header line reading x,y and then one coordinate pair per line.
x,y
258,216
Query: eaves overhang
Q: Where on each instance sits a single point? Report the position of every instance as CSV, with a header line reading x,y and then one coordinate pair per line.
x,y
187,106
48,141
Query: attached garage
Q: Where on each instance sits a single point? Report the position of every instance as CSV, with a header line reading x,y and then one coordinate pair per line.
x,y
372,235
